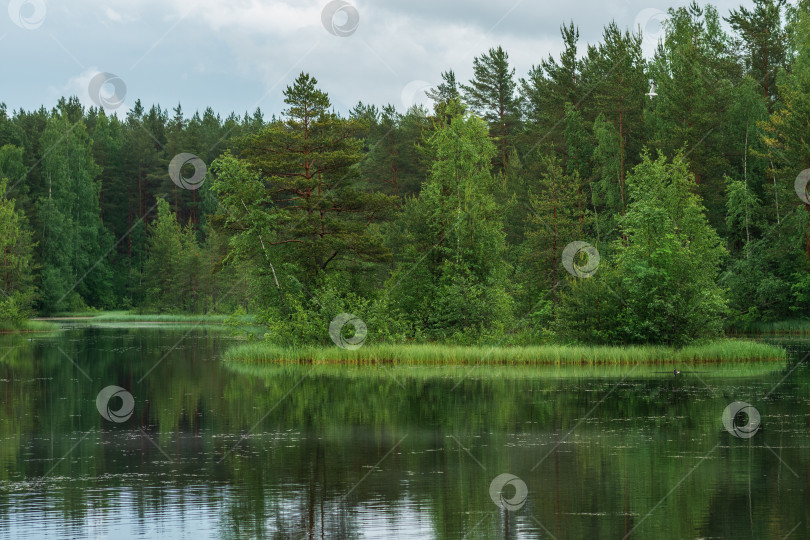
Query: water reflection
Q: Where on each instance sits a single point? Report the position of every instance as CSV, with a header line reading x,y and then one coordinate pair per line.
x,y
231,451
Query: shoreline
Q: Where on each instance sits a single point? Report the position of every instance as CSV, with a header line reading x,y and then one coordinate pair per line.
x,y
715,352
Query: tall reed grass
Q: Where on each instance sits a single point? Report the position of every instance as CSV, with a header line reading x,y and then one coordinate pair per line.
x,y
510,372
437,354
7,327
128,316
774,328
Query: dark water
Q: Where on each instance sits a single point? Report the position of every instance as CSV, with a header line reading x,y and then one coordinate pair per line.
x,y
219,451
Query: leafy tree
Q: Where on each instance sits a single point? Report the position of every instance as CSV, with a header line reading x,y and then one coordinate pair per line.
x,y
73,238
662,287
746,218
451,277
670,263
163,268
16,261
743,209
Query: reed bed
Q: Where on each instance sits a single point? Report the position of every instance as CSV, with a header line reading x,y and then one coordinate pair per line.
x,y
512,372
721,351
27,326
127,316
800,327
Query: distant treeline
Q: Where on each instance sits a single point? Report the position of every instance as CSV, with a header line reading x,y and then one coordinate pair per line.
x,y
602,197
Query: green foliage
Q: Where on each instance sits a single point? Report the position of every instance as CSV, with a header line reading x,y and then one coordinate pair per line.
x,y
548,89
769,282
764,40
671,261
557,216
447,224
444,94
491,93
608,190
696,72
393,163
451,275
17,291
663,285
73,238
172,271
556,355
298,197
743,208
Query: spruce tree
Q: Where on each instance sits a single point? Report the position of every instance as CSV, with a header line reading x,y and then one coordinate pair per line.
x,y
492,94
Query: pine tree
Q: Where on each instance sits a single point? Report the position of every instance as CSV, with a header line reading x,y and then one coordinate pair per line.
x,y
383,162
12,167
696,74
608,189
765,41
140,163
445,93
548,88
308,204
491,93
614,73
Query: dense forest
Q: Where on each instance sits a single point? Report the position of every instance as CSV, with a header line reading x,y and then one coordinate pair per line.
x,y
603,197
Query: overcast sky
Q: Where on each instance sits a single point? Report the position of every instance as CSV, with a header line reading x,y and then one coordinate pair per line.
x,y
235,55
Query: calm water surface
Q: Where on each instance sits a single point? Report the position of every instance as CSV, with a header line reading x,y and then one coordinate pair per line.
x,y
220,451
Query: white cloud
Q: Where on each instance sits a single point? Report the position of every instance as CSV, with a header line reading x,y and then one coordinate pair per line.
x,y
112,14
79,86
235,54
277,17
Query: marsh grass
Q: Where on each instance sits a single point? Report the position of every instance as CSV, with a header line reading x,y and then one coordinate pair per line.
x,y
27,326
723,351
500,372
164,327
128,316
799,327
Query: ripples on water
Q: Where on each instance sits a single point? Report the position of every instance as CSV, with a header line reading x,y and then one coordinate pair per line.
x,y
220,451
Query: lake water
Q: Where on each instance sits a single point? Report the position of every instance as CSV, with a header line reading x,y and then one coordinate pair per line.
x,y
213,450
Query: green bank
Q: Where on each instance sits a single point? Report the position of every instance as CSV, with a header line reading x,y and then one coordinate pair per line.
x,y
721,351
